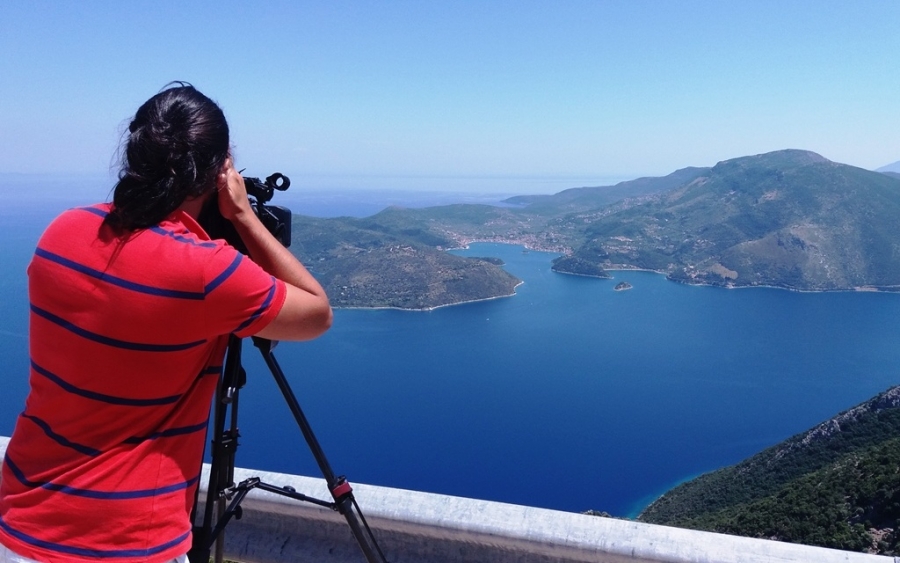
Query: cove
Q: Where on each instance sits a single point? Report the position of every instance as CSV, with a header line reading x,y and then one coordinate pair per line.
x,y
568,395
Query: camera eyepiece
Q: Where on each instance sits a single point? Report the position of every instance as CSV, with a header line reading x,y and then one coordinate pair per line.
x,y
263,191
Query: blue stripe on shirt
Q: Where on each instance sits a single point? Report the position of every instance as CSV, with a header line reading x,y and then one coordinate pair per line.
x,y
114,280
94,210
182,238
100,396
180,431
85,552
220,279
139,346
60,439
261,310
94,494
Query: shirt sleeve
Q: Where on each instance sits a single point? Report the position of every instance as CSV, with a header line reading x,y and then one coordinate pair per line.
x,y
240,296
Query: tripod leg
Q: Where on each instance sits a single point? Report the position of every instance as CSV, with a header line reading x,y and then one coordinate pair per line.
x,y
339,487
224,449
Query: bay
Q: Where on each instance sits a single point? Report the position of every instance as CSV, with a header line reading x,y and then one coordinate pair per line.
x,y
568,395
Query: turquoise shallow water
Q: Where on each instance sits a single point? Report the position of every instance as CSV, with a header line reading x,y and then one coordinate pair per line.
x,y
569,395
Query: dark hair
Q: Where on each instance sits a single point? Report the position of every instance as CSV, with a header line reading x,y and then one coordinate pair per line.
x,y
176,146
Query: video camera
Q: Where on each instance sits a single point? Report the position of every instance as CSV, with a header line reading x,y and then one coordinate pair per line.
x,y
276,218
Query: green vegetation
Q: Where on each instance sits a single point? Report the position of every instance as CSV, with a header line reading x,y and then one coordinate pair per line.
x,y
388,261
789,219
578,266
837,485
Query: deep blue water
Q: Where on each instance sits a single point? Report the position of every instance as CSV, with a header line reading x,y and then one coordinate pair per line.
x,y
569,395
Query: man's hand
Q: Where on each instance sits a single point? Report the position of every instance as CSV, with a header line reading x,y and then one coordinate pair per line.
x,y
305,313
233,202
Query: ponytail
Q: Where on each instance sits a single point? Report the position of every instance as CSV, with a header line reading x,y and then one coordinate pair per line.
x,y
176,146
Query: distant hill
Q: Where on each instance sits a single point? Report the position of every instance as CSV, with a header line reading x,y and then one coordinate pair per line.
x,y
580,199
836,485
790,219
893,167
367,263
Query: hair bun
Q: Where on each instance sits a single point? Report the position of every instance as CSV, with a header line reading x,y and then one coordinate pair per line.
x,y
177,144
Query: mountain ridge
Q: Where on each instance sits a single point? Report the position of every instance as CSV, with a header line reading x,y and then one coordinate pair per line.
x,y
892,167
790,219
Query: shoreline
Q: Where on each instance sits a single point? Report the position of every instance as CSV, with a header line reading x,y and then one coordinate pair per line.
x,y
856,289
616,268
427,309
524,244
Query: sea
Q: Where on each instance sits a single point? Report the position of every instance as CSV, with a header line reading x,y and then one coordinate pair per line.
x,y
568,395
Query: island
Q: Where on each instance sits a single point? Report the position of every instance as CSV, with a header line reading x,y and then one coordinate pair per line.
x,y
622,286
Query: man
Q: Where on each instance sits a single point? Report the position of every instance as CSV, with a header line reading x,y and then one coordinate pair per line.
x,y
131,308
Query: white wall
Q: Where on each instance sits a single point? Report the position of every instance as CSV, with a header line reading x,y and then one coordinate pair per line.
x,y
422,527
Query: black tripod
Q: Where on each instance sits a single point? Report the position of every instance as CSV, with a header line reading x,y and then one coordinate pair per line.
x,y
221,487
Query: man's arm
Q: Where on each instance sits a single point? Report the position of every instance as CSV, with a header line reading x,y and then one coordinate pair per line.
x,y
306,312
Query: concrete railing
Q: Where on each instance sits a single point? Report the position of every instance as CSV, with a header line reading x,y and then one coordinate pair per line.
x,y
422,527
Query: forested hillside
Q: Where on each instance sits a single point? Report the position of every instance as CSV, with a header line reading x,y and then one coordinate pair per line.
x,y
790,219
837,485
372,263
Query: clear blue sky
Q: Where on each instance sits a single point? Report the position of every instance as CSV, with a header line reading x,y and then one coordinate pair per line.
x,y
427,88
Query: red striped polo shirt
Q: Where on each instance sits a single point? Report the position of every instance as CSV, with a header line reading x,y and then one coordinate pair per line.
x,y
127,337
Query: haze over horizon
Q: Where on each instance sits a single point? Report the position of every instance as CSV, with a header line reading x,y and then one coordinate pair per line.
x,y
513,97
